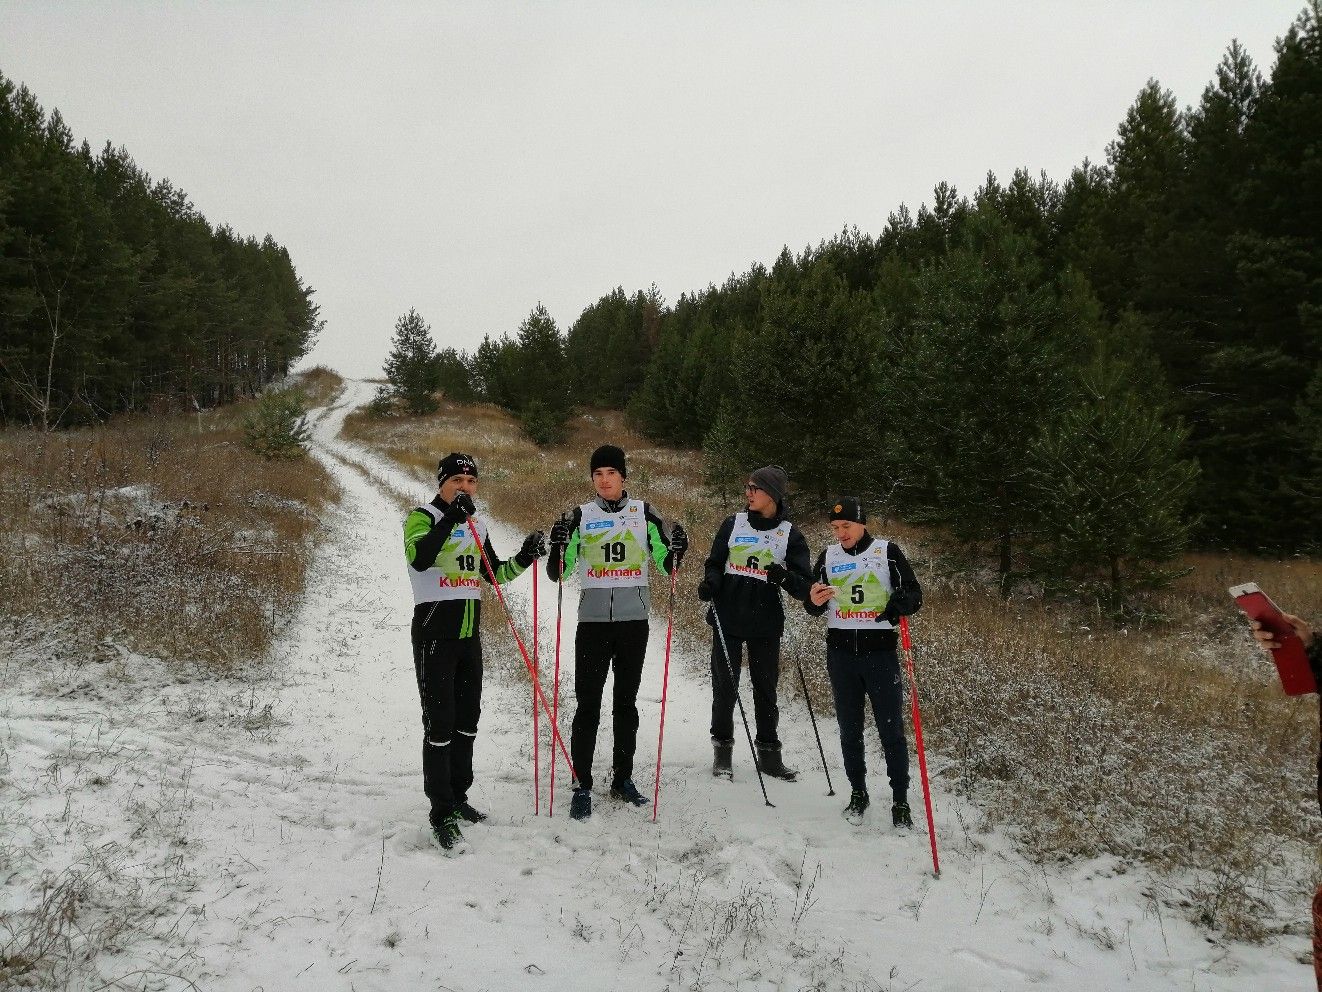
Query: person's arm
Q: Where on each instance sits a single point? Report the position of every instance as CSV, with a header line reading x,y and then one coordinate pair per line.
x,y
906,594
423,540
713,570
799,580
657,542
507,571
819,590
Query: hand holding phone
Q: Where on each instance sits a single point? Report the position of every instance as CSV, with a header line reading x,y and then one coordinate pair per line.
x,y
1288,653
821,592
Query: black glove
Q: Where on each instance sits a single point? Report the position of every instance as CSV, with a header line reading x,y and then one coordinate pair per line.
x,y
679,543
777,573
534,546
891,614
560,533
461,508
706,591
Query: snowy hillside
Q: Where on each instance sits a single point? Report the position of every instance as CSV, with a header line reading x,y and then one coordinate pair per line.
x,y
230,836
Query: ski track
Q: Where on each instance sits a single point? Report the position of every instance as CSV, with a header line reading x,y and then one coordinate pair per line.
x,y
314,869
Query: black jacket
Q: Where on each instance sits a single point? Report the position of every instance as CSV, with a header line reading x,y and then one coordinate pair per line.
x,y
750,607
906,599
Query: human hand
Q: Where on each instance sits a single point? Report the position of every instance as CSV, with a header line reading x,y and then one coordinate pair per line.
x,y
1268,640
534,546
560,532
777,573
821,592
461,507
679,541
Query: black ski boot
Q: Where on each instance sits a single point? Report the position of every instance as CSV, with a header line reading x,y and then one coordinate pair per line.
x,y
858,805
580,806
626,790
722,765
445,832
769,760
900,815
470,814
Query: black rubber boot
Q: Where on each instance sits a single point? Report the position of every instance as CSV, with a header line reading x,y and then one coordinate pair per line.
x,y
722,765
769,760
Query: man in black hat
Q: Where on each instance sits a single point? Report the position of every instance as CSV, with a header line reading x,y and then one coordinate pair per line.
x,y
444,545
610,540
864,585
754,555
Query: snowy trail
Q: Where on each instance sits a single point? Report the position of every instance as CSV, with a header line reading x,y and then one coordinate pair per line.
x,y
315,870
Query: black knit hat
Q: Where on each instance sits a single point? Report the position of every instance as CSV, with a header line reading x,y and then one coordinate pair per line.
x,y
609,456
772,480
849,508
455,464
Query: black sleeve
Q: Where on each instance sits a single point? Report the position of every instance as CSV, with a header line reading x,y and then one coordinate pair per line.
x,y
714,569
553,554
427,548
906,593
799,580
818,575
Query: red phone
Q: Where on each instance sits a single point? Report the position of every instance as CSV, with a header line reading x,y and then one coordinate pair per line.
x,y
1291,658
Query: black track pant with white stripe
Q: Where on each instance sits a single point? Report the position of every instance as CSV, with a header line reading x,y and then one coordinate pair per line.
x,y
450,687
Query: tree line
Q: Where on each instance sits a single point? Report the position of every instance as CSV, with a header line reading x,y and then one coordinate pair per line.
x,y
116,294
1095,371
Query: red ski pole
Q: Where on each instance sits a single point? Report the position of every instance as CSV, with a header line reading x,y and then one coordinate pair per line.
x,y
536,742
555,692
918,739
527,661
665,685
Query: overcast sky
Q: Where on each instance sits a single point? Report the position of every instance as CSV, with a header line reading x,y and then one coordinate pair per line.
x,y
472,160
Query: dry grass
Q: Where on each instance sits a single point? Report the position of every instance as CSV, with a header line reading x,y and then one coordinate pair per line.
x,y
319,385
164,534
1169,744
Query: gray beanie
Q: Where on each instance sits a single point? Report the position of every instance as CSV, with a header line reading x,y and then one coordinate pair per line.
x,y
772,480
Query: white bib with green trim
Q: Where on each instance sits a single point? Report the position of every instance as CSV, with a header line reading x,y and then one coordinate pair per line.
x,y
751,551
613,546
456,572
863,587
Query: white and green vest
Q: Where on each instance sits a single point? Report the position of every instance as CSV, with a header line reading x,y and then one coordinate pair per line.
x,y
455,573
863,587
613,546
751,551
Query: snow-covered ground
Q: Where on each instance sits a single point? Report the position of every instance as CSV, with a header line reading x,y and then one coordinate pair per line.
x,y
274,836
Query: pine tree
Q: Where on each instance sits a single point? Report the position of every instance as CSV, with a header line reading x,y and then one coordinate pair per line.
x,y
804,382
411,367
988,359
455,375
1110,487
545,395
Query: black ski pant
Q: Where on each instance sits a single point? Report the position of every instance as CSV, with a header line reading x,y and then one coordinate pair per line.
x,y
763,672
875,676
598,648
449,676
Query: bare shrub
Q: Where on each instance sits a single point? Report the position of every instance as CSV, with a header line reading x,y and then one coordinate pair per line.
x,y
148,531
